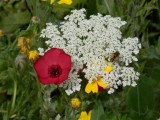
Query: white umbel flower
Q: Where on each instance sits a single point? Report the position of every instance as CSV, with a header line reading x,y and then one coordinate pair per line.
x,y
91,42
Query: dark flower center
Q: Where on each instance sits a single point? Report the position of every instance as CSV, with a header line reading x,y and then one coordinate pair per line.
x,y
55,71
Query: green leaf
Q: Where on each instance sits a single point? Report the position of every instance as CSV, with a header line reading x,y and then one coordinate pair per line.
x,y
14,21
32,5
12,73
3,75
141,98
3,65
98,112
152,53
154,73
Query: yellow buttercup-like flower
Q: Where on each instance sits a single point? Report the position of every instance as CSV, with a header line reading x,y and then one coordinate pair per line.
x,y
93,86
68,2
85,116
75,103
23,44
33,55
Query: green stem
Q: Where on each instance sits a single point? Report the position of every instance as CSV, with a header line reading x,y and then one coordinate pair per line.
x,y
138,97
108,8
14,97
9,39
63,94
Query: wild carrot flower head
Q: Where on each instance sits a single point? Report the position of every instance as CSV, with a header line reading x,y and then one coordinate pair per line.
x,y
96,43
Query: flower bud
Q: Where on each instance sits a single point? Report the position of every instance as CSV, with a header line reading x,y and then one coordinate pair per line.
x,y
35,20
20,61
75,103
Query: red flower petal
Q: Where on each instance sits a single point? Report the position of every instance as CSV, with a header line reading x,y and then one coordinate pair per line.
x,y
65,61
52,56
41,67
48,80
58,80
63,76
100,89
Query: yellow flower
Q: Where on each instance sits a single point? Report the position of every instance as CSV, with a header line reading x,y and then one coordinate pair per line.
x,y
33,55
68,2
85,116
23,50
23,44
51,1
1,33
108,69
23,41
93,86
75,103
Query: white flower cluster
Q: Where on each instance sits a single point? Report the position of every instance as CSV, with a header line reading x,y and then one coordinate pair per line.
x,y
93,42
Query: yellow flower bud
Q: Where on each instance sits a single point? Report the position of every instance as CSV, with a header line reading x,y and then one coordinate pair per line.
x,y
75,103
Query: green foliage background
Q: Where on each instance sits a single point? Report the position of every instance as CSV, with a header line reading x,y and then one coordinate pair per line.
x,y
23,98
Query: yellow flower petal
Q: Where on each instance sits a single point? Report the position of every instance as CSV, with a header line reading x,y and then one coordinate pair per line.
x,y
102,83
108,69
91,87
68,2
88,88
51,1
83,116
33,55
94,87
89,115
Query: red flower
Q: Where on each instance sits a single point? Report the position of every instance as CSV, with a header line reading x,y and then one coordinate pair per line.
x,y
53,67
100,89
